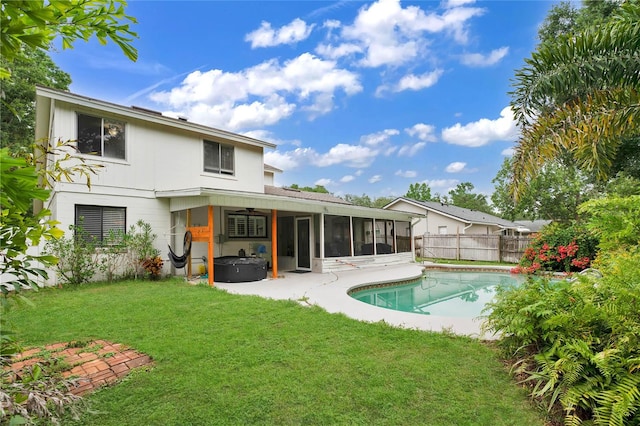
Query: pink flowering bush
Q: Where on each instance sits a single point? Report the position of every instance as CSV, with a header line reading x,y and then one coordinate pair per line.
x,y
558,248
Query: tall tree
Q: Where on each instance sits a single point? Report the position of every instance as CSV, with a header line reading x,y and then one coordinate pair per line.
x,y
317,188
553,194
579,95
35,24
365,201
17,122
380,202
419,191
560,20
27,26
462,196
565,18
357,200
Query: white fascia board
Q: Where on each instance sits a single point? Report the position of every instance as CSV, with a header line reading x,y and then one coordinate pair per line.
x,y
200,197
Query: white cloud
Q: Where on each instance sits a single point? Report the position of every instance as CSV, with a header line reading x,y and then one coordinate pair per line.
x,y
456,3
411,150
347,178
455,18
390,150
350,155
480,60
424,132
356,156
324,182
390,35
359,172
455,167
417,82
508,152
290,159
336,52
265,36
256,96
483,131
407,173
378,138
375,178
441,183
410,82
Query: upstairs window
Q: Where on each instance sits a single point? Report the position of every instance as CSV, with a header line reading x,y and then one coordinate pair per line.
x,y
101,136
218,158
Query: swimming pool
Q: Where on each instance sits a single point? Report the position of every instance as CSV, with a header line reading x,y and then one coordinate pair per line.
x,y
457,294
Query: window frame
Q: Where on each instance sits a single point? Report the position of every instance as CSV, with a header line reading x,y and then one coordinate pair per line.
x,y
223,154
243,227
105,122
104,230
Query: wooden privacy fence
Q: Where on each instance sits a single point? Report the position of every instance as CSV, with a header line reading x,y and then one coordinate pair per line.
x,y
493,248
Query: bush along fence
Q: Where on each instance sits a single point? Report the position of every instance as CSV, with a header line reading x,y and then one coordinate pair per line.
x,y
492,248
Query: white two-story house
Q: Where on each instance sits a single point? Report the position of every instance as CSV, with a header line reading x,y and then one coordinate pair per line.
x,y
178,175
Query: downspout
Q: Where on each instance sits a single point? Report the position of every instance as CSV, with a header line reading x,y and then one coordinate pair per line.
x,y
413,236
352,250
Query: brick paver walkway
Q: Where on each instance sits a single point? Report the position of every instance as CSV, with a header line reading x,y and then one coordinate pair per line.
x,y
95,364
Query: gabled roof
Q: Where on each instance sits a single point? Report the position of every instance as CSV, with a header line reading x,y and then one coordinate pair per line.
x,y
147,115
304,195
459,213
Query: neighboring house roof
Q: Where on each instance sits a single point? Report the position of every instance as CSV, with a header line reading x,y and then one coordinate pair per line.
x,y
459,213
533,225
148,115
296,193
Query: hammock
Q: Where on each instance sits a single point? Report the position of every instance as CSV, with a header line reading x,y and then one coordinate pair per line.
x,y
181,261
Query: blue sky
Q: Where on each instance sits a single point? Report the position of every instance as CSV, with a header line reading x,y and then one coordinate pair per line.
x,y
361,97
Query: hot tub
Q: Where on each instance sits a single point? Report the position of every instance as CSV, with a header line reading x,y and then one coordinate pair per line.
x,y
234,269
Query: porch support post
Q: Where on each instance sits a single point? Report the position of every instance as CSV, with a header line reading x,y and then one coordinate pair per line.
x,y
189,258
274,243
210,245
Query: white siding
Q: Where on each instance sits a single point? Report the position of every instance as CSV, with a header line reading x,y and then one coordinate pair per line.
x,y
433,221
153,211
161,158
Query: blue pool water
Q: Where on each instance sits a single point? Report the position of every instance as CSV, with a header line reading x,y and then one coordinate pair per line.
x,y
443,293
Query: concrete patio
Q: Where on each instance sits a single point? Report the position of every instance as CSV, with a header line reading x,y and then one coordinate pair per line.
x,y
330,292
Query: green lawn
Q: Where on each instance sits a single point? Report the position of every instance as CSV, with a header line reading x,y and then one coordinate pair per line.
x,y
228,359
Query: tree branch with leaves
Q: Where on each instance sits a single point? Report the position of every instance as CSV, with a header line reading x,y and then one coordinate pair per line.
x,y
579,95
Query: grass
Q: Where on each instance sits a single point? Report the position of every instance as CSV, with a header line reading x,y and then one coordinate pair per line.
x,y
229,359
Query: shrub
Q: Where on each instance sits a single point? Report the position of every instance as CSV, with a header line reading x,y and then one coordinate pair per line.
x,y
559,248
578,341
153,267
77,257
37,394
616,221
112,254
141,250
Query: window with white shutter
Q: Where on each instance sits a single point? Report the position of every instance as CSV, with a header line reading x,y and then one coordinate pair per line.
x,y
246,226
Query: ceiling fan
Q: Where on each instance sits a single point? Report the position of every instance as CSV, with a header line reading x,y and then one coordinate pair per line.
x,y
250,211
